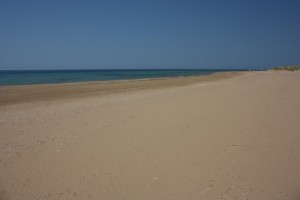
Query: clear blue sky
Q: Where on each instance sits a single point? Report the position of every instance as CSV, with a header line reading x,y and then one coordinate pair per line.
x,y
61,34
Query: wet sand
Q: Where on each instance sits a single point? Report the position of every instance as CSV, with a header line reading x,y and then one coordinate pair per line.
x,y
40,92
224,136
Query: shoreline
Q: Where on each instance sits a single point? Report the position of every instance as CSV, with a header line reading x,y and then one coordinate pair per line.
x,y
12,79
118,80
15,94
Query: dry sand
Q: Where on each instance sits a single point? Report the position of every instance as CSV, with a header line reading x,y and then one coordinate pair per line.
x,y
234,138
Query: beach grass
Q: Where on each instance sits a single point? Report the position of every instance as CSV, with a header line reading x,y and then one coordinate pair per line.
x,y
287,68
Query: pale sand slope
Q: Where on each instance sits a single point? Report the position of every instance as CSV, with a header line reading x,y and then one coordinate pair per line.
x,y
236,138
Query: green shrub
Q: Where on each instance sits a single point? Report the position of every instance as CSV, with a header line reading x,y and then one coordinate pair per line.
x,y
287,68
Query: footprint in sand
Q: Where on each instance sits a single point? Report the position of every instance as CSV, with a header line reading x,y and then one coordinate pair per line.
x,y
208,188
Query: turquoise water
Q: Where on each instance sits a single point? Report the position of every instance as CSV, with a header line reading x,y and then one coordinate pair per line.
x,y
14,77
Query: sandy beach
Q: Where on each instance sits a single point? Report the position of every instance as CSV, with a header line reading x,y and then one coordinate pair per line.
x,y
223,136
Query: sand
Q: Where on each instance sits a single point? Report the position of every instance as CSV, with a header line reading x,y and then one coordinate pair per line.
x,y
232,137
46,92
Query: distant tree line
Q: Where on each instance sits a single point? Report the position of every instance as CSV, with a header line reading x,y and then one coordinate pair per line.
x,y
287,68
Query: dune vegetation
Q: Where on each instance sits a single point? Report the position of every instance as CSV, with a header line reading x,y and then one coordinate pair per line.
x,y
287,68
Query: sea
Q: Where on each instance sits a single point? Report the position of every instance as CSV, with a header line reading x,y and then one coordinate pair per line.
x,y
29,77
